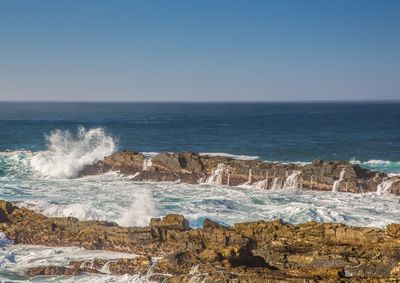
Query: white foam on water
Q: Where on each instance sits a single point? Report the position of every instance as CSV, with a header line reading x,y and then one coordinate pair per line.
x,y
216,176
336,184
229,205
287,162
261,185
113,197
77,210
384,187
149,153
277,184
18,258
292,181
140,211
377,161
379,165
67,154
106,197
393,174
15,163
229,155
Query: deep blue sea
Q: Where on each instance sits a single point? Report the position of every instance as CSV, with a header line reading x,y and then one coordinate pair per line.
x,y
44,145
273,131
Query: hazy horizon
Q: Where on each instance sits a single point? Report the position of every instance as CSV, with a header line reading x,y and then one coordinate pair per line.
x,y
205,51
207,101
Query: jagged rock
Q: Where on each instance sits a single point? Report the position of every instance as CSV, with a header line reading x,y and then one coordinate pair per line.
x,y
126,162
52,271
208,223
171,221
185,162
188,167
58,271
256,251
395,185
5,209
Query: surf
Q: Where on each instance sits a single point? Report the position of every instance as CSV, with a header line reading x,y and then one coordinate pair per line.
x,y
68,153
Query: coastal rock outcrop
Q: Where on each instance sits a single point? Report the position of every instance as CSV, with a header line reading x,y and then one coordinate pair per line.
x,y
170,251
193,168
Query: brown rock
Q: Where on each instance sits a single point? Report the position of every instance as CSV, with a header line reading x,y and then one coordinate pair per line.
x,y
171,221
52,271
209,224
257,251
192,168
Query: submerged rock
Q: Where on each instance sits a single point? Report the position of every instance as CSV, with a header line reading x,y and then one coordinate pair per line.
x,y
257,251
188,167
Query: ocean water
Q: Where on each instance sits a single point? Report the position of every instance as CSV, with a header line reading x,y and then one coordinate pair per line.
x,y
44,145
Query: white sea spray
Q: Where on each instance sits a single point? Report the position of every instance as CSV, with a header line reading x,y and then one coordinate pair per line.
x,y
67,154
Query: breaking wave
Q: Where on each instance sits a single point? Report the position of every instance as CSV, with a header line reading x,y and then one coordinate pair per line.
x,y
229,155
67,154
379,165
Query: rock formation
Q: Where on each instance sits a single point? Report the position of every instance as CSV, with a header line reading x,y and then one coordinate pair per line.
x,y
193,168
249,252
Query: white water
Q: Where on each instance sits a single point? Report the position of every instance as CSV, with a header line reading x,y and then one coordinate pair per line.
x,y
216,176
17,258
146,163
67,153
39,181
113,198
277,184
384,187
336,184
263,185
380,165
233,156
292,181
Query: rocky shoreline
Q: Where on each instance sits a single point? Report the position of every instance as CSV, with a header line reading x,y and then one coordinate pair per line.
x,y
193,168
170,251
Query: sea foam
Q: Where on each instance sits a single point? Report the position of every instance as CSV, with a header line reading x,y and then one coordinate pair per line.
x,y
229,155
67,154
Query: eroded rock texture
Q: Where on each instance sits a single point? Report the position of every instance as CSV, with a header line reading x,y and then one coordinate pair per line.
x,y
249,252
193,168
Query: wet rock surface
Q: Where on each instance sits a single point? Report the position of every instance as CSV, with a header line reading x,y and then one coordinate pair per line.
x,y
188,167
170,251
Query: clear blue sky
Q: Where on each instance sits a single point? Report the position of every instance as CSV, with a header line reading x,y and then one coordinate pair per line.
x,y
199,50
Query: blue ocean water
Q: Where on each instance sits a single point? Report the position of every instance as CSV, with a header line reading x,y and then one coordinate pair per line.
x,y
365,132
44,145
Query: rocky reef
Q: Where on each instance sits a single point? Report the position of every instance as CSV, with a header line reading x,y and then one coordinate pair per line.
x,y
193,168
170,251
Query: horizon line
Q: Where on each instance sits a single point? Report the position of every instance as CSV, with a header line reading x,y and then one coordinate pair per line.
x,y
205,101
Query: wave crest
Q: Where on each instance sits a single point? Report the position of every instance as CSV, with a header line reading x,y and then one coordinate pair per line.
x,y
229,155
67,154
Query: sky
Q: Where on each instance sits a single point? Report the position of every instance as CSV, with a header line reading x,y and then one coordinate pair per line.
x,y
205,50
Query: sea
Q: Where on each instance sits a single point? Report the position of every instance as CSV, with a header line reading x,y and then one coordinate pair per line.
x,y
43,146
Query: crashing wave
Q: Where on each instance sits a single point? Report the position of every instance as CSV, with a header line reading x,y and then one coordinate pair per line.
x,y
141,210
80,211
229,155
67,154
392,167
